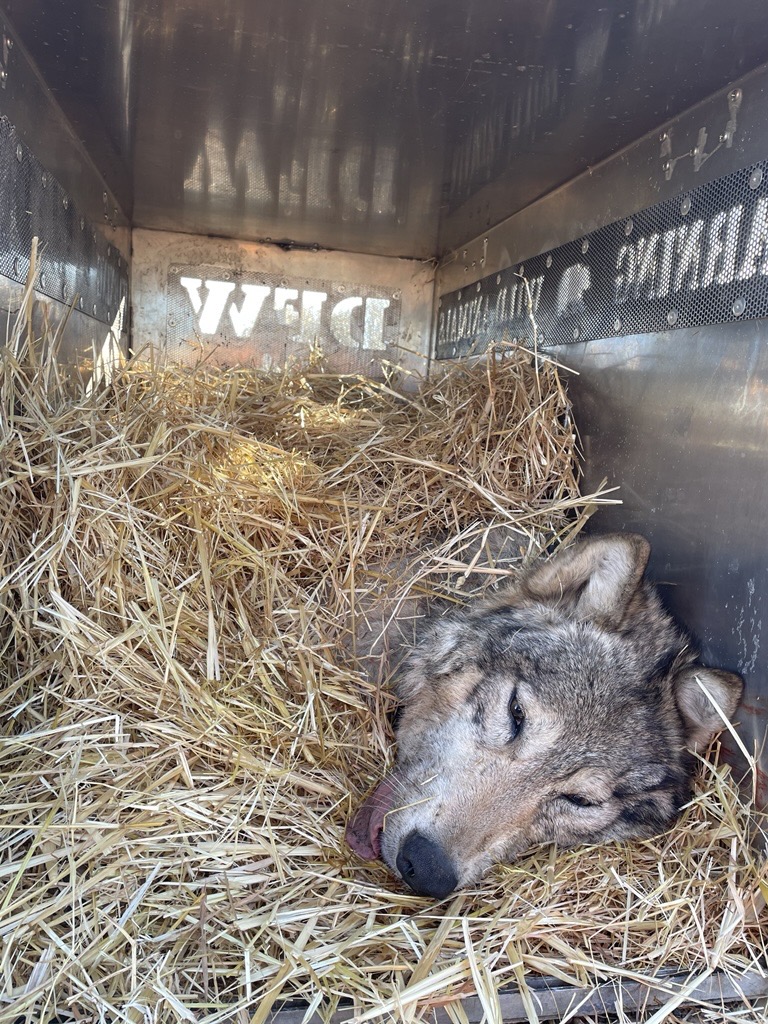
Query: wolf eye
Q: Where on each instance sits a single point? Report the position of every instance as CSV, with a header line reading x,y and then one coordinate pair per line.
x,y
578,801
516,715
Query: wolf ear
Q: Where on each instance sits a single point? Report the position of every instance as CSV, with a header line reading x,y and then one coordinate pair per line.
x,y
700,717
592,580
443,646
447,646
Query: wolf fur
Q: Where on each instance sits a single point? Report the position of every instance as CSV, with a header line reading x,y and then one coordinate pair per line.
x,y
564,708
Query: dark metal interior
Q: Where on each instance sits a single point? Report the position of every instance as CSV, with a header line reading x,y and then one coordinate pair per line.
x,y
376,126
484,133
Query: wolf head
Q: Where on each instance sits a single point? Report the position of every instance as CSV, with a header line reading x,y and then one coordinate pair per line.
x,y
562,709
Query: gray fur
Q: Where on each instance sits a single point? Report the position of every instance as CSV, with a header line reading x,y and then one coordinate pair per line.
x,y
608,694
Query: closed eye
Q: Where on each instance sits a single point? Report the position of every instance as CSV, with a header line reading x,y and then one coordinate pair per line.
x,y
579,801
516,716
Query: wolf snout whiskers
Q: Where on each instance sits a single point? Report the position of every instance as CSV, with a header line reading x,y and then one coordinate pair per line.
x,y
405,807
413,803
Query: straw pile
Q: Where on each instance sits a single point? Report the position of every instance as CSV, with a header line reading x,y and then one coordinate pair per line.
x,y
185,560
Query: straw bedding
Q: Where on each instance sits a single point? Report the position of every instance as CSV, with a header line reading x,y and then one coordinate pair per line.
x,y
186,558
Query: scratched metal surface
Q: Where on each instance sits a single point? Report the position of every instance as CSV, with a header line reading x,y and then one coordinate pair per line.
x,y
679,423
51,190
676,419
396,129
28,105
250,304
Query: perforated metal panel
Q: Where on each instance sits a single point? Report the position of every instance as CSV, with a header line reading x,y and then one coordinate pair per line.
x,y
75,261
249,304
701,258
246,316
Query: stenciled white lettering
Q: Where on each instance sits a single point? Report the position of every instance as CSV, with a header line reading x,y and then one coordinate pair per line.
x,y
284,299
689,252
756,244
244,319
694,256
507,310
341,320
373,325
357,321
210,311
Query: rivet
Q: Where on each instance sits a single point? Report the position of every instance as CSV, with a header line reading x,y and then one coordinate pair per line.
x,y
458,297
82,223
548,261
521,270
685,205
94,309
585,245
65,203
756,178
739,306
42,280
498,279
44,179
617,324
19,153
629,227
477,287
672,317
576,333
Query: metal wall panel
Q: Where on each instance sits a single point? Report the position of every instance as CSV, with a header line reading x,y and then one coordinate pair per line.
x,y
677,419
28,104
52,191
696,147
679,423
397,129
76,264
248,304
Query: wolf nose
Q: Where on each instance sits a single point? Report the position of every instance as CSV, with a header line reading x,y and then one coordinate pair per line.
x,y
426,867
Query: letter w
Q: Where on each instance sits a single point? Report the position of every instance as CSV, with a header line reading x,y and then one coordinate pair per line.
x,y
211,312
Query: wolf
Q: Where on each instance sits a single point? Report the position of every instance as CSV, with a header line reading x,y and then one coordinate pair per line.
x,y
562,709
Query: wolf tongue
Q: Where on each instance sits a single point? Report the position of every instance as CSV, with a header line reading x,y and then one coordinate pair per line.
x,y
364,828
